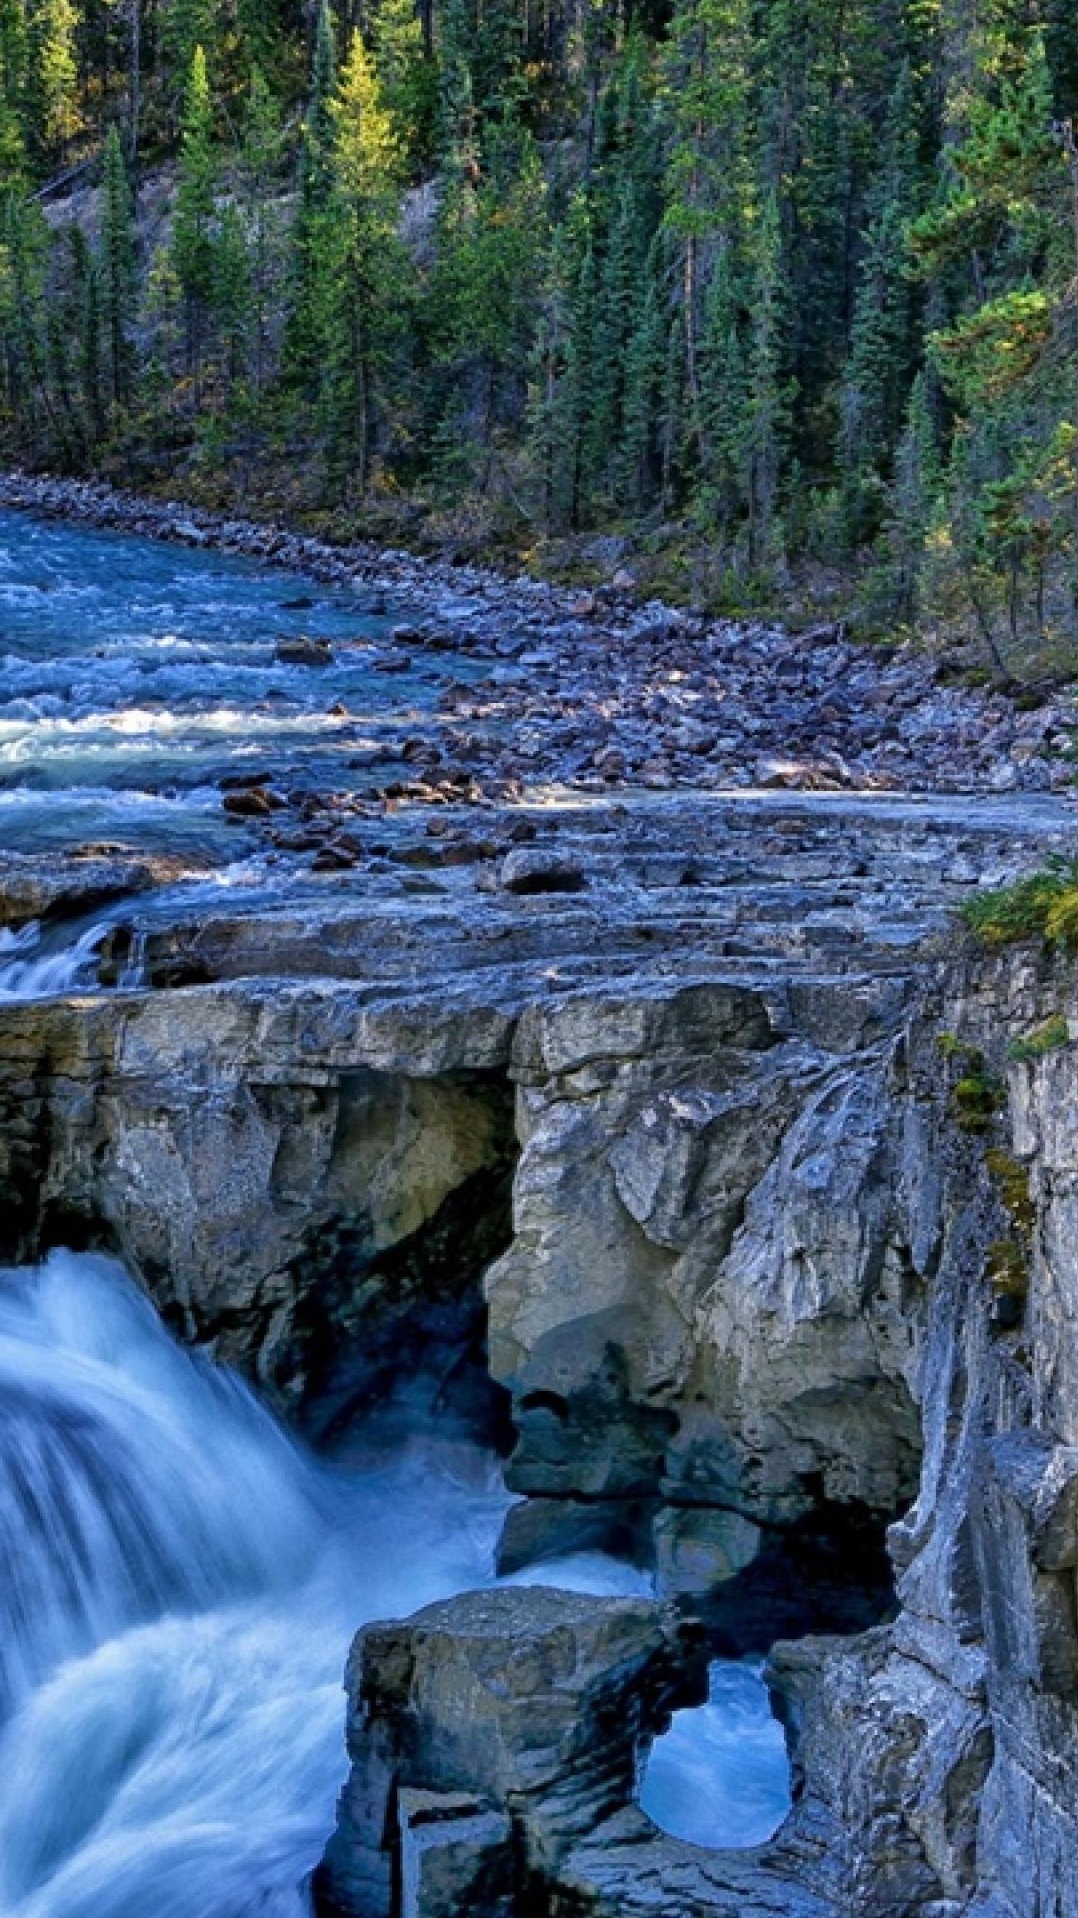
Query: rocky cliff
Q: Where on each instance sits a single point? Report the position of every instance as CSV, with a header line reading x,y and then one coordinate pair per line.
x,y
770,1192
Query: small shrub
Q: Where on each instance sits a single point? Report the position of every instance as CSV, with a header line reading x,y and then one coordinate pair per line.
x,y
1011,1179
1006,1269
974,1100
952,1047
1045,1038
1044,905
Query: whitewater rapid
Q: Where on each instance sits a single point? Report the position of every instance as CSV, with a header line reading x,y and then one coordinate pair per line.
x,y
135,676
181,1586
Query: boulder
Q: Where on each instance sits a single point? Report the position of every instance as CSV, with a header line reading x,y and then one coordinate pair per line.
x,y
48,886
304,651
488,1734
529,869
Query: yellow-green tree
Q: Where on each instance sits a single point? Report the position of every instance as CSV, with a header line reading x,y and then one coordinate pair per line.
x,y
366,279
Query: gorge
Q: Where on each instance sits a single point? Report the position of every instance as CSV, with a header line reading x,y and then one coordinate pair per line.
x,y
646,1122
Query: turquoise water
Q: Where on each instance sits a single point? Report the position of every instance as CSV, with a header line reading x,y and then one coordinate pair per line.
x,y
182,1582
134,674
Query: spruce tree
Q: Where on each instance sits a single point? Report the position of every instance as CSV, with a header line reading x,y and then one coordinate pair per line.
x,y
770,390
707,89
881,360
185,26
999,246
366,162
116,274
260,159
52,78
194,225
312,240
408,78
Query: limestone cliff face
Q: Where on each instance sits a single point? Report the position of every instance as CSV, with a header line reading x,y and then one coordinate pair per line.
x,y
972,1693
312,1189
791,1254
707,1301
936,1756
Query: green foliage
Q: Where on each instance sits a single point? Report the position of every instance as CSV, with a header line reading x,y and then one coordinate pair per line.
x,y
1007,1268
408,78
51,80
974,1099
116,275
1043,905
1045,1038
364,280
194,251
1011,1180
796,279
1007,1263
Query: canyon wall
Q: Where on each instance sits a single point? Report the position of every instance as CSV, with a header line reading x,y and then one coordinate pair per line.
x,y
779,1257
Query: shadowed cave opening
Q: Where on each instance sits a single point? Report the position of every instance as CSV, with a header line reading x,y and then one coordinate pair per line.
x,y
404,1324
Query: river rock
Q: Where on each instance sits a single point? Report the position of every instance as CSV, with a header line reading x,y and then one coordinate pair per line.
x,y
531,869
51,886
251,802
304,652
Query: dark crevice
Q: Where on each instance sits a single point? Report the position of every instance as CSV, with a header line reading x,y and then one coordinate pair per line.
x,y
406,1322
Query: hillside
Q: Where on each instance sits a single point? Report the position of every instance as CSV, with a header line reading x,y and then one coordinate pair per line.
x,y
778,299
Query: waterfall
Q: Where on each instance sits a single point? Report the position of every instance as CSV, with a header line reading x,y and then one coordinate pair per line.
x,y
27,972
181,1584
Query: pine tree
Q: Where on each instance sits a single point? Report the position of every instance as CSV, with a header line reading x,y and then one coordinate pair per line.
x,y
24,250
639,464
116,274
366,163
913,503
710,189
408,78
725,479
52,80
185,26
14,73
882,356
232,293
260,159
93,385
194,227
769,390
999,244
562,363
310,292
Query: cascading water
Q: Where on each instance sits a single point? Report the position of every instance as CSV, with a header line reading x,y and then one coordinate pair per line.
x,y
181,1584
186,1584
31,968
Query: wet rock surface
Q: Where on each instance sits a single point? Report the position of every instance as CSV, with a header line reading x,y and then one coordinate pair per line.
x,y
54,888
490,1733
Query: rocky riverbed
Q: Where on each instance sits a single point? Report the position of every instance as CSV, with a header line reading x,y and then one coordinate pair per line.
x,y
597,692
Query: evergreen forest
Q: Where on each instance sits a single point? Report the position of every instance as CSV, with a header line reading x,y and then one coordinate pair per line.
x,y
782,293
